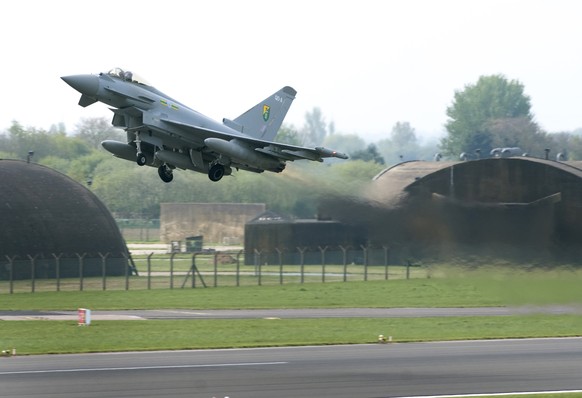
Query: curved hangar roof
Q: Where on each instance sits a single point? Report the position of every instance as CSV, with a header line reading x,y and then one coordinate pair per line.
x,y
497,180
44,212
528,193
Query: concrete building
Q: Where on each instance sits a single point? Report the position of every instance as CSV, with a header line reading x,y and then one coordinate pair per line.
x,y
216,223
271,238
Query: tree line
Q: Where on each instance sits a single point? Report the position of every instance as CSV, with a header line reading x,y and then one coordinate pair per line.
x,y
495,113
492,113
130,191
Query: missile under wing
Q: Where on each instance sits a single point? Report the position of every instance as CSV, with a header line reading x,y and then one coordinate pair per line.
x,y
166,134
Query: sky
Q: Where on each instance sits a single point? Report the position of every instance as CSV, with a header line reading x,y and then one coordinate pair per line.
x,y
366,64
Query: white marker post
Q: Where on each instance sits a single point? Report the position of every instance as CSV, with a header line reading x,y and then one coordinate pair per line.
x,y
84,317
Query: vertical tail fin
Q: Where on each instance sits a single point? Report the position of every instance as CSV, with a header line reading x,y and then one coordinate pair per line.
x,y
264,119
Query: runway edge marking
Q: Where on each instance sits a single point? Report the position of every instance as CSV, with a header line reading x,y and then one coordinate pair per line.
x,y
162,367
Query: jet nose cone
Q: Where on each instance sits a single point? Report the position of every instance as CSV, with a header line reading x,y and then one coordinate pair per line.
x,y
85,84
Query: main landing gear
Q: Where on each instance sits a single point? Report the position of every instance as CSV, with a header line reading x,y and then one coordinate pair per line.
x,y
216,172
165,173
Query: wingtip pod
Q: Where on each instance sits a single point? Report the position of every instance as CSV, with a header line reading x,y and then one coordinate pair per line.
x,y
329,153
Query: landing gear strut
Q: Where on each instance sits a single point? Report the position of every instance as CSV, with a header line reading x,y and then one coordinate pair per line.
x,y
216,172
140,158
165,173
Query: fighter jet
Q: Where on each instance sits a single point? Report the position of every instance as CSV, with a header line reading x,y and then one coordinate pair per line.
x,y
166,134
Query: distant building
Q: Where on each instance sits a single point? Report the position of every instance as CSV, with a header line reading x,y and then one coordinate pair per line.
x,y
271,238
217,223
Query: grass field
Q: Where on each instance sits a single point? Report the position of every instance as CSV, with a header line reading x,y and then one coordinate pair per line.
x,y
473,289
451,289
557,395
41,337
398,293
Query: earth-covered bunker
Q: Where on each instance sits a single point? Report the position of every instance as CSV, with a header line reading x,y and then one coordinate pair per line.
x,y
521,208
51,223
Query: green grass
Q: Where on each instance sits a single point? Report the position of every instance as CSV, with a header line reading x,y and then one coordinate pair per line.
x,y
449,289
159,276
40,337
461,289
398,293
540,395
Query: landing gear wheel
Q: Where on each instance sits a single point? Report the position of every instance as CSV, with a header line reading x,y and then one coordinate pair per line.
x,y
140,159
165,173
216,172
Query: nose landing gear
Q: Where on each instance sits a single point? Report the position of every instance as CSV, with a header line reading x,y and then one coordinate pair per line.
x,y
140,159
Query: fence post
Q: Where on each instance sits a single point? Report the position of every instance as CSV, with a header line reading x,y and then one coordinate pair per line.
x,y
256,260
280,255
365,251
32,271
172,270
216,269
323,250
345,255
58,269
385,262
407,269
150,270
11,272
193,270
81,258
104,269
126,257
260,280
302,251
240,252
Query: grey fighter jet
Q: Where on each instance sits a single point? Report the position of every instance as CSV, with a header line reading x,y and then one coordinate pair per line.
x,y
166,134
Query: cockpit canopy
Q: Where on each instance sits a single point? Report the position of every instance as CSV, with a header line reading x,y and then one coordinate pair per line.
x,y
127,75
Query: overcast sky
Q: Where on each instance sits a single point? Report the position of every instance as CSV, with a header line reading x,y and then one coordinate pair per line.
x,y
365,64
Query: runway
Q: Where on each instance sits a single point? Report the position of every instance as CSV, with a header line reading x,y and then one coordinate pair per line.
x,y
374,371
